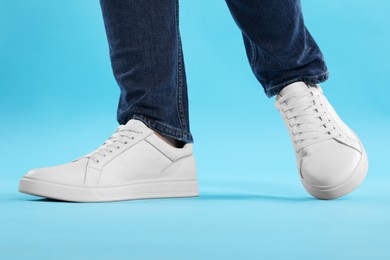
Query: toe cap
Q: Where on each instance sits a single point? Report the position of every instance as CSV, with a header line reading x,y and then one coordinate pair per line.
x,y
329,164
72,173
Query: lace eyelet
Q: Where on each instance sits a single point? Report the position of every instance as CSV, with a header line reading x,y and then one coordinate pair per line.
x,y
125,142
97,161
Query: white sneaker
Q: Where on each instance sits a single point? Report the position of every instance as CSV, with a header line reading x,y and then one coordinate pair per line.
x,y
134,163
330,157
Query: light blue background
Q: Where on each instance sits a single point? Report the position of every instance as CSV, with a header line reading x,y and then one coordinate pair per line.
x,y
58,101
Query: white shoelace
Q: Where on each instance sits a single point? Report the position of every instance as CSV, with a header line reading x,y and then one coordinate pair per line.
x,y
123,135
306,117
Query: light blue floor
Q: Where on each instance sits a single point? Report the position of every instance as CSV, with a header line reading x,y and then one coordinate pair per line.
x,y
234,218
58,101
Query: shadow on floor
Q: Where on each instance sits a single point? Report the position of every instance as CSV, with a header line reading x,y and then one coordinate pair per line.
x,y
204,196
214,197
259,197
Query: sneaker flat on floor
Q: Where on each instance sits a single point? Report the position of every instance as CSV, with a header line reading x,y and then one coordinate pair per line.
x,y
331,159
134,163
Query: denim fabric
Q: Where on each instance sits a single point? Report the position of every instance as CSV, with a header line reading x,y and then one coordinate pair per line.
x,y
279,47
147,58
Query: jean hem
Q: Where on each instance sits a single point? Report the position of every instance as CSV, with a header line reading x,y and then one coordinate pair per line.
x,y
165,129
311,80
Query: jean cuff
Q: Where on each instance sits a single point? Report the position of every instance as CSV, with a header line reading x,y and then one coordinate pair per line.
x,y
310,80
165,129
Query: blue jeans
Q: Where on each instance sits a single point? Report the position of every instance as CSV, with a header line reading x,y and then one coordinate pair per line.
x,y
147,58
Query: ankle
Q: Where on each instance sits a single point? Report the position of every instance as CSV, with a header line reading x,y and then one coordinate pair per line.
x,y
171,141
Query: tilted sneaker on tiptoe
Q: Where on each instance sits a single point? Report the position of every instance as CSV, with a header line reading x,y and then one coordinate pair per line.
x,y
330,157
134,163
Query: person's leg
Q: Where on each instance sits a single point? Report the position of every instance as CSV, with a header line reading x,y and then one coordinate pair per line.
x,y
147,61
279,47
136,162
286,60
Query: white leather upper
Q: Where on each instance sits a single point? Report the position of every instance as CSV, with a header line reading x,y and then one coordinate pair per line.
x,y
133,153
331,150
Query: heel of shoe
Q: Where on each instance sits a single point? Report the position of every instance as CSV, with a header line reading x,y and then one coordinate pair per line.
x,y
177,180
184,168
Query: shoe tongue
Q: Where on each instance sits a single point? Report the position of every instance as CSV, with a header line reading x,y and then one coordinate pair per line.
x,y
295,87
134,123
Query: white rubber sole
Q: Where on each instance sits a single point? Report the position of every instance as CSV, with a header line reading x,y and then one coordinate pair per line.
x,y
328,193
131,191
